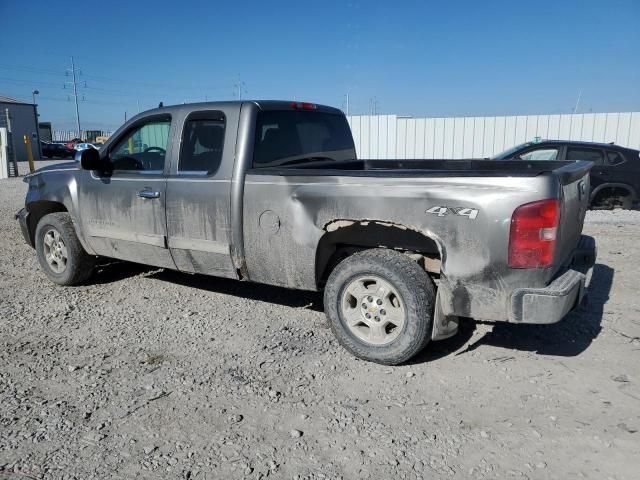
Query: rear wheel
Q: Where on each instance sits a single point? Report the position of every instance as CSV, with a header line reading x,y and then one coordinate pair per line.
x,y
610,198
60,253
380,305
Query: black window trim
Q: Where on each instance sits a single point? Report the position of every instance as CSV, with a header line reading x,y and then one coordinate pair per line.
x,y
254,166
200,115
586,147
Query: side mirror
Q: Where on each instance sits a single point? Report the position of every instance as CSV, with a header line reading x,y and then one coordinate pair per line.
x,y
90,159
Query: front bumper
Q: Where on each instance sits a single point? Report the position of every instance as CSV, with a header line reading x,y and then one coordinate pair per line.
x,y
23,218
551,303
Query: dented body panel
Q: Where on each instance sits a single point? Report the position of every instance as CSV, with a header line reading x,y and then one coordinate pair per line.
x,y
288,226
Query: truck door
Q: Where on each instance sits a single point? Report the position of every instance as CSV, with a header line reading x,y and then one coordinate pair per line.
x,y
123,213
198,194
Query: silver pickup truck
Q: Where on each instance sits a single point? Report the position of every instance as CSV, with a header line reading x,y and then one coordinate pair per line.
x,y
272,192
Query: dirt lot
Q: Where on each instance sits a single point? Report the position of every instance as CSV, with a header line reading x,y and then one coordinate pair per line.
x,y
146,373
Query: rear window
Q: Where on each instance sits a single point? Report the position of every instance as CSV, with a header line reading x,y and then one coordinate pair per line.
x,y
581,153
614,158
294,137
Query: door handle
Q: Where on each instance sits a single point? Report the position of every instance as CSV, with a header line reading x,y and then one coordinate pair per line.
x,y
148,194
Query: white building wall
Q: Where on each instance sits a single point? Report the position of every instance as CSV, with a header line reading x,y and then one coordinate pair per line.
x,y
390,136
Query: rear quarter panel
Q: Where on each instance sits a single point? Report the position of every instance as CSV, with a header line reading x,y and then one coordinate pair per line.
x,y
286,216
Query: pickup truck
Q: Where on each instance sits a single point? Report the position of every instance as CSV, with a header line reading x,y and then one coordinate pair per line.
x,y
272,192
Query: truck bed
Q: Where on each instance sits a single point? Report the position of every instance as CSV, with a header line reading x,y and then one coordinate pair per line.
x,y
567,171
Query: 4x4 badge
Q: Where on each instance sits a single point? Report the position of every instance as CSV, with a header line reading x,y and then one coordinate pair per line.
x,y
441,211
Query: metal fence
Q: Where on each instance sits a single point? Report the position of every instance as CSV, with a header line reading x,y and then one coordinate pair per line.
x,y
391,136
67,135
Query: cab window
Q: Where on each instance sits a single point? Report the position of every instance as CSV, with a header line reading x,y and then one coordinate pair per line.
x,y
581,153
143,149
202,144
540,154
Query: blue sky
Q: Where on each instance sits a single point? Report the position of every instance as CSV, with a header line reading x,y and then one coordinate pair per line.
x,y
420,58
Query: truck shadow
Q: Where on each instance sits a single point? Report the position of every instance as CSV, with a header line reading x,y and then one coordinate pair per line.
x,y
443,348
110,271
567,338
252,291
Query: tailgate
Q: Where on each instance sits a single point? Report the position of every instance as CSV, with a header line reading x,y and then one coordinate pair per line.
x,y
574,183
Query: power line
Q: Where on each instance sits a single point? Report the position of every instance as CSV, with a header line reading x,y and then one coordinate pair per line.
x,y
140,91
29,69
20,82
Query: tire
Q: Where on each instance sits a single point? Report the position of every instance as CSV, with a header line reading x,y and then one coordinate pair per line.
x,y
626,203
409,291
608,200
60,253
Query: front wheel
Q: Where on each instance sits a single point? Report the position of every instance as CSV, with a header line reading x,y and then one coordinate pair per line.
x,y
380,306
60,253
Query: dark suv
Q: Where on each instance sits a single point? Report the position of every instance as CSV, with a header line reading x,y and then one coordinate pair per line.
x,y
615,177
50,150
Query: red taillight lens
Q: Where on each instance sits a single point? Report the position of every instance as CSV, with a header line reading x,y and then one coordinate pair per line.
x,y
304,105
534,228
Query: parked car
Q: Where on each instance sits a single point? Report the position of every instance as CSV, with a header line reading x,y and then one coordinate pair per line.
x,y
272,192
83,146
615,177
50,150
72,143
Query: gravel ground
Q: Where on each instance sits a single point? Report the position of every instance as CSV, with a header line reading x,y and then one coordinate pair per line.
x,y
147,373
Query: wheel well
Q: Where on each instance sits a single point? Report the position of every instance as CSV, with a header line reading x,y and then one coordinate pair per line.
x,y
346,237
615,192
39,209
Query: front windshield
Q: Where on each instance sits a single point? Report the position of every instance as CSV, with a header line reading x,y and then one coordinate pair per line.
x,y
508,153
293,136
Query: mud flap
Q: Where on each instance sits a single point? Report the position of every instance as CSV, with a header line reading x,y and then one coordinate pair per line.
x,y
444,326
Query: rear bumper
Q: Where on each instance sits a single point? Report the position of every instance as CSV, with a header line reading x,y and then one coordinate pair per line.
x,y
23,218
551,303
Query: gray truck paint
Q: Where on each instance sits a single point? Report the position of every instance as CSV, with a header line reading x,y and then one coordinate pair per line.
x,y
282,227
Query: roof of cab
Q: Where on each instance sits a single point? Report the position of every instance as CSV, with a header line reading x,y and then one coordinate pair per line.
x,y
262,104
577,142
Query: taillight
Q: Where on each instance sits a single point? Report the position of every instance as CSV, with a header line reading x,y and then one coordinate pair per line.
x,y
534,228
304,105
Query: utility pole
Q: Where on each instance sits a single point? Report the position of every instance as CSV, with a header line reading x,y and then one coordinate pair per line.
x,y
74,84
347,101
239,86
373,104
575,109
